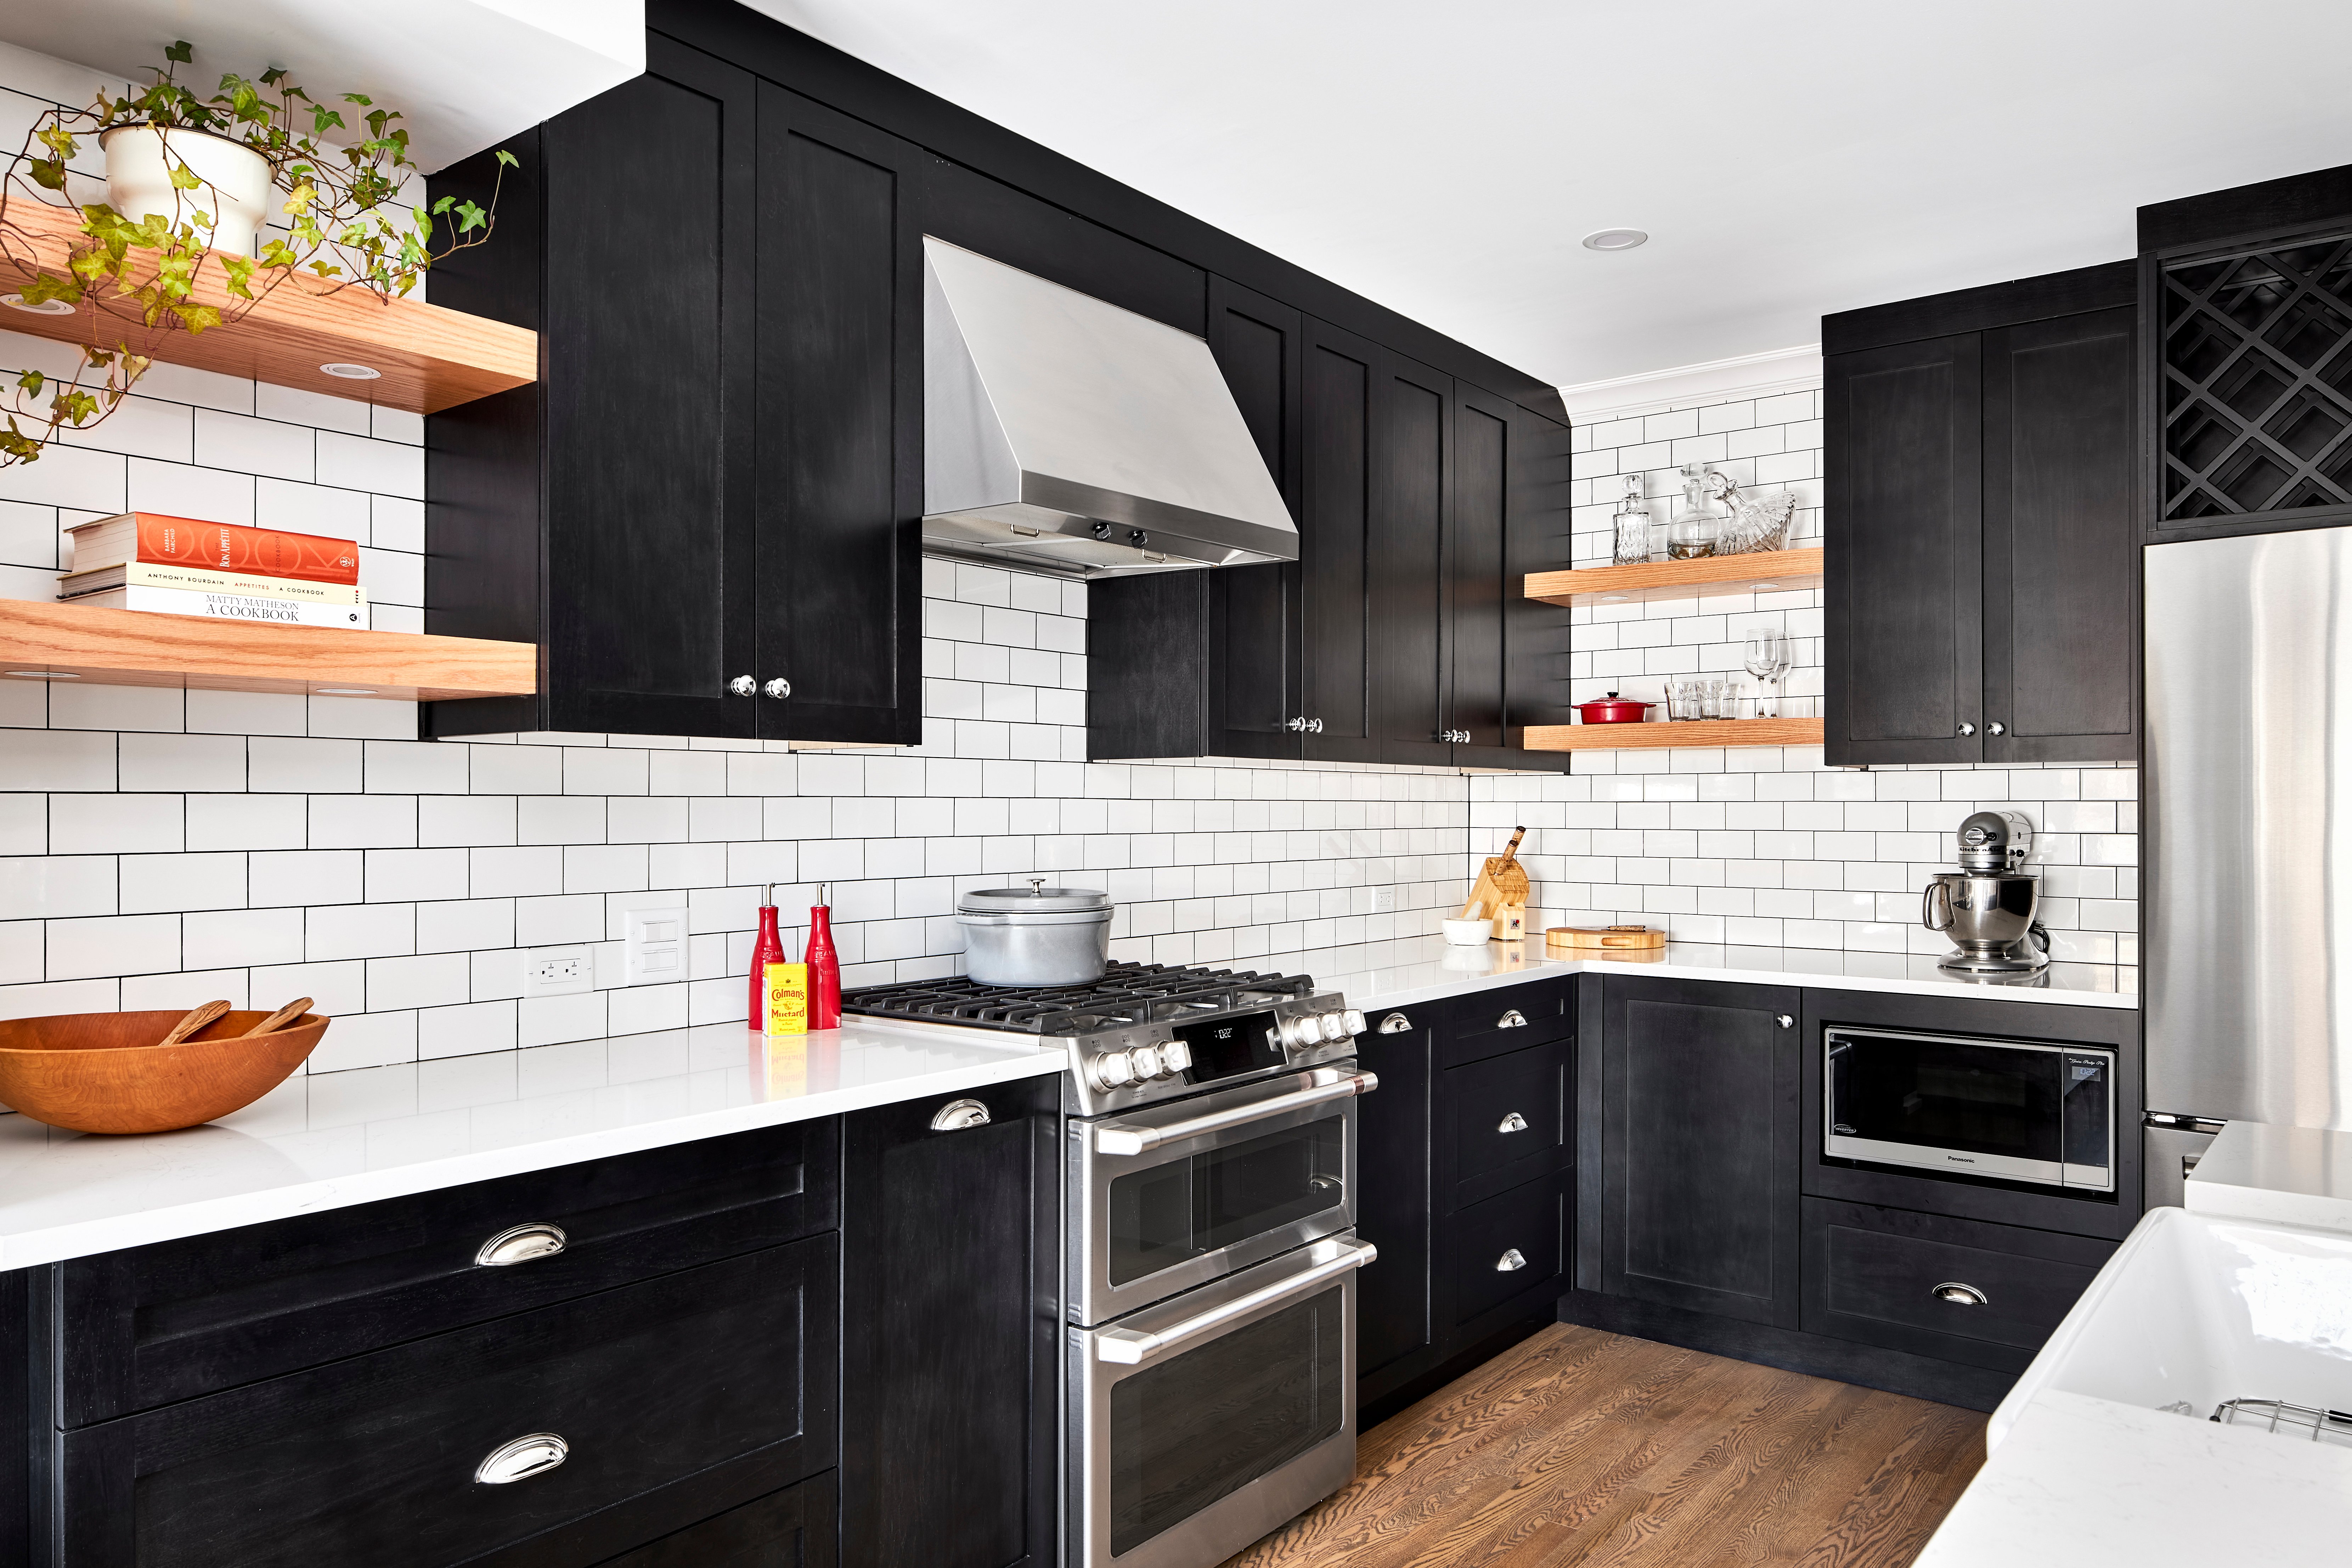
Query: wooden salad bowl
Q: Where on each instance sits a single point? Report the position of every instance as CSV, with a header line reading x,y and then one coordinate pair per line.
x,y
103,1072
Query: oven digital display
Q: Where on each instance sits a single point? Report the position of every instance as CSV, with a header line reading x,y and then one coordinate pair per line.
x,y
1228,1047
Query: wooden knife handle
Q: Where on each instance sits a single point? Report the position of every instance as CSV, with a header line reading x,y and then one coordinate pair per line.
x,y
1512,849
281,1018
197,1019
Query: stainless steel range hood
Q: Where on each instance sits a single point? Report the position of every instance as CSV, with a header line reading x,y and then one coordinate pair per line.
x,y
1062,434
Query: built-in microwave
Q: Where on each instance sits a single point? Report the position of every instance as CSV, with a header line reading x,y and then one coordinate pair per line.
x,y
2017,1110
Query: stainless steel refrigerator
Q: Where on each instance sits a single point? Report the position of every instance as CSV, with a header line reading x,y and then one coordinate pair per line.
x,y
2247,957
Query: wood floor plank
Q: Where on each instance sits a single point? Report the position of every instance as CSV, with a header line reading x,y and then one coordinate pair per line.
x,y
1578,1448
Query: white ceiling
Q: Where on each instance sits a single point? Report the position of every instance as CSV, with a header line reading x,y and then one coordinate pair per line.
x,y
1787,159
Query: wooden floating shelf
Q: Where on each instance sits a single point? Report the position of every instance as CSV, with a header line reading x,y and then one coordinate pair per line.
x,y
427,358
133,647
1697,733
1782,570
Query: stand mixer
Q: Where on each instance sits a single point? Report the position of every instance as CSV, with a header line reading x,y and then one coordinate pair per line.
x,y
1987,906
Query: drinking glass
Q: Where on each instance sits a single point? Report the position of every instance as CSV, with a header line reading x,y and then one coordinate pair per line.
x,y
1767,656
1683,699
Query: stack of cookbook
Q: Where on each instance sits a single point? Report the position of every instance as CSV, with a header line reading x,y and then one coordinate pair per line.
x,y
180,566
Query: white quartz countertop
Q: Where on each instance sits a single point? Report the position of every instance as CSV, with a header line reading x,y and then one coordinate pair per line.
x,y
1426,969
335,1139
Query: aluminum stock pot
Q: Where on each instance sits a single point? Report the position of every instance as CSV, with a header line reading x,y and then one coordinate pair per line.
x,y
1036,935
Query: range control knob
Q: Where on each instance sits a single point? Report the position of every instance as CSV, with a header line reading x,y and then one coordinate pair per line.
x,y
1300,1032
1334,1027
1175,1057
1357,1022
1111,1069
1145,1060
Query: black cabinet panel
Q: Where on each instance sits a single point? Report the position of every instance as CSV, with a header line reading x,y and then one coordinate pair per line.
x,y
951,1248
1477,578
791,1529
678,1397
1411,519
16,1418
1509,1118
1341,378
149,1325
1902,531
1507,1018
1253,676
1987,1295
1700,1126
1395,1322
1505,1254
1009,224
840,408
2060,541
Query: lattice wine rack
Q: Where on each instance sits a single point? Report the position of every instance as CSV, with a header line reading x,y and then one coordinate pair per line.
x,y
2258,382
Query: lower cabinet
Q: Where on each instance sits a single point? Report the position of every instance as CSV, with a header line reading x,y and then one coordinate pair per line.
x,y
1396,1321
789,1529
1699,1140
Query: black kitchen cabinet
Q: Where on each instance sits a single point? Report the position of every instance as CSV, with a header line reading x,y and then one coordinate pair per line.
x,y
1981,574
717,477
952,1260
1396,1324
789,1529
16,1419
1699,1126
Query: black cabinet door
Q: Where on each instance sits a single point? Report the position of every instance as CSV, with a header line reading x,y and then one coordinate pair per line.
x,y
951,1254
1254,644
1700,1135
2060,541
1506,657
650,417
837,321
789,1529
1396,1327
1406,551
16,1418
1339,379
1902,529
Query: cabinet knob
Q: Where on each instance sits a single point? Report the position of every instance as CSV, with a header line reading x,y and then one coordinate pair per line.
x,y
520,1244
742,686
1998,728
521,1460
1960,1294
1787,1022
1966,727
1315,726
958,1114
779,687
1514,1122
1295,726
1512,1018
1511,1262
1396,1024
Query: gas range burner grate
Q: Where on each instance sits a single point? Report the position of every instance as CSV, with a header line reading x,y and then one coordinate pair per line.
x,y
1127,994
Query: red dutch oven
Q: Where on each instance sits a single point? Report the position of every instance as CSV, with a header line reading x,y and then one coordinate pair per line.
x,y
1613,710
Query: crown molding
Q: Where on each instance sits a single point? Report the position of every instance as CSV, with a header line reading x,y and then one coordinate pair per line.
x,y
1780,370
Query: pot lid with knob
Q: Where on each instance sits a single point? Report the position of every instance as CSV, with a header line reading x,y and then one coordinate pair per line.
x,y
1036,898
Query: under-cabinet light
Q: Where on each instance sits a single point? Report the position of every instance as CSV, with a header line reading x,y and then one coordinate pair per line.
x,y
352,372
1616,238
44,675
346,691
46,308
1613,598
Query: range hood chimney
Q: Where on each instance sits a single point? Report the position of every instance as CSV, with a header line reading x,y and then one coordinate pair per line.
x,y
1062,434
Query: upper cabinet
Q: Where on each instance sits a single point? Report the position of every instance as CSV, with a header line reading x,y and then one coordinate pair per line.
x,y
705,513
1982,573
2250,388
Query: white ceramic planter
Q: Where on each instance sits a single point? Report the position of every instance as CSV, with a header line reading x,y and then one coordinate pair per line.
x,y
236,190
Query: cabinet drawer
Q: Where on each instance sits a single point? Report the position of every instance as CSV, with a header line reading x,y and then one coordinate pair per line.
x,y
1509,1118
147,1326
1506,1248
1509,1018
679,1398
791,1529
1874,1274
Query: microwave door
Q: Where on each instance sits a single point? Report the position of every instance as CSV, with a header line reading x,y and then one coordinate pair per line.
x,y
2089,1118
1962,1107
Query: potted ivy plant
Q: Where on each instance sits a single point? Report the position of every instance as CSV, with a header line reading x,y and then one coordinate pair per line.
x,y
178,245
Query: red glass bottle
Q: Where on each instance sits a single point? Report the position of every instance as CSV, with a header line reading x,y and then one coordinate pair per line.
x,y
766,949
823,965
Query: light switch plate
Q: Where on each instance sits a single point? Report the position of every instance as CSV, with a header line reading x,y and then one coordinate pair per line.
x,y
653,946
558,970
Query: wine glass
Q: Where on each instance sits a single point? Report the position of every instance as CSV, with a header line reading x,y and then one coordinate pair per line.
x,y
1767,656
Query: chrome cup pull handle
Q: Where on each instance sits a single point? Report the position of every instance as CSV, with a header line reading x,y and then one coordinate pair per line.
x,y
521,1244
958,1114
1960,1294
1396,1024
1512,1018
1514,1122
521,1460
1511,1262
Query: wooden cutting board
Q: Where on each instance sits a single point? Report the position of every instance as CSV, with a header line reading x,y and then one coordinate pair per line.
x,y
1588,938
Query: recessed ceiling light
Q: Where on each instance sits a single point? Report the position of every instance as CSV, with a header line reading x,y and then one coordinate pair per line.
x,y
347,691
44,675
46,308
1614,239
361,371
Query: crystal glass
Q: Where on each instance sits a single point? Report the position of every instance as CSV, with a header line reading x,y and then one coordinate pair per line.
x,y
1767,656
1691,536
1718,699
1683,698
1632,546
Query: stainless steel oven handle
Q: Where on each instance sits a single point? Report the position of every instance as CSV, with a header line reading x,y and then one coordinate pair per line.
x,y
1130,1347
1116,1138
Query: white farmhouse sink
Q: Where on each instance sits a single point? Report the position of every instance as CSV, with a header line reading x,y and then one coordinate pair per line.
x,y
2199,1309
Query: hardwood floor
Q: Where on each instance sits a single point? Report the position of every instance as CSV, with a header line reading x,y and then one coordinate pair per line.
x,y
1579,1447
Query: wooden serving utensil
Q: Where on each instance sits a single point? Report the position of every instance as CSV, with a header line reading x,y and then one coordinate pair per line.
x,y
195,1018
281,1018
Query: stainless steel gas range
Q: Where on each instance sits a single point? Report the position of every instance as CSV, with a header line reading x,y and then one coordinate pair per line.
x,y
1209,1211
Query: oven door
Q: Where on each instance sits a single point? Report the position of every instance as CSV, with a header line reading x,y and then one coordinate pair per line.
x,y
1170,1196
2015,1110
1199,1425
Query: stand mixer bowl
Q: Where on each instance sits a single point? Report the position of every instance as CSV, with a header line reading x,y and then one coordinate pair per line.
x,y
1988,915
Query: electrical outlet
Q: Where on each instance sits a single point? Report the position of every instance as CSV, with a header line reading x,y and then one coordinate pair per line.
x,y
1384,899
558,972
653,945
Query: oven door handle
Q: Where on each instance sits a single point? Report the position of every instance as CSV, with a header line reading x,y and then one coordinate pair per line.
x,y
1130,1347
1119,1138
